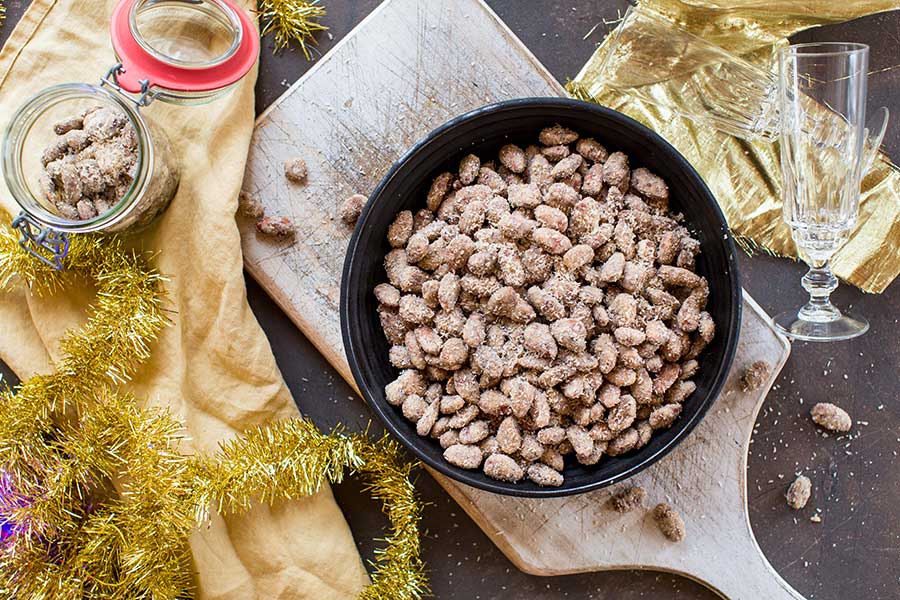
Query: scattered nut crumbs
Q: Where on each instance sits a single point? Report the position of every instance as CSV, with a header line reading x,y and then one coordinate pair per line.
x,y
351,208
249,206
627,499
276,226
798,492
831,417
816,519
669,522
755,375
295,170
540,305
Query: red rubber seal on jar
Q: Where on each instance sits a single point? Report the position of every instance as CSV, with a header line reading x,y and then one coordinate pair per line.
x,y
140,65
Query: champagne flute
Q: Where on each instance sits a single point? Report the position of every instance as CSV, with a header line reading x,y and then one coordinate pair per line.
x,y
822,107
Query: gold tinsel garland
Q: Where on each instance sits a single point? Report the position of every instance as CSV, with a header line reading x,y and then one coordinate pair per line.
x,y
291,21
96,501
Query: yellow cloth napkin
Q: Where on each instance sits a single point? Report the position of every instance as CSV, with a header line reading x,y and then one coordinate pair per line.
x,y
213,368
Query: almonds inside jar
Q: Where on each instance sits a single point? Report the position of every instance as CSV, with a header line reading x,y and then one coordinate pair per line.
x,y
102,162
90,165
543,305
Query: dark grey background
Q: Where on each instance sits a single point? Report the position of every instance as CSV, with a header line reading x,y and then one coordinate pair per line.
x,y
854,553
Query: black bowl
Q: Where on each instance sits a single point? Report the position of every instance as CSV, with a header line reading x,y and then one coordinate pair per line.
x,y
482,132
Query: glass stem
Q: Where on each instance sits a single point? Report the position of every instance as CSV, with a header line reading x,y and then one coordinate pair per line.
x,y
819,281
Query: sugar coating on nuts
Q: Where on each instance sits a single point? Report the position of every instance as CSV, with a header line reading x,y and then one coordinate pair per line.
x,y
91,163
556,135
755,375
463,455
351,208
387,295
544,475
513,158
649,185
295,170
543,304
276,226
669,522
798,493
468,169
249,206
503,467
591,150
831,417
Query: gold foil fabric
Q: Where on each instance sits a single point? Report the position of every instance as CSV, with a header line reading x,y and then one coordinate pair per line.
x,y
745,175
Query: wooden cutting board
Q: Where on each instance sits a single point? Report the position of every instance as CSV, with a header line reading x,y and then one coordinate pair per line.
x,y
407,68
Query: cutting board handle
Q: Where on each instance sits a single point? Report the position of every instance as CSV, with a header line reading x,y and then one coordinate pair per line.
x,y
744,574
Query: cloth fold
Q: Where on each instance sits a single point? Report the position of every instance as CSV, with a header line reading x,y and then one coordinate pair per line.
x,y
213,368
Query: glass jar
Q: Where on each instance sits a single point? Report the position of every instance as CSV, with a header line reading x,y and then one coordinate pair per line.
x,y
154,176
116,174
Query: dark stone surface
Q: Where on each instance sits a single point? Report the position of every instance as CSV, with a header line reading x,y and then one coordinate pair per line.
x,y
851,554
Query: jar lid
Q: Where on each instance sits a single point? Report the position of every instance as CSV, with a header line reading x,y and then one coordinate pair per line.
x,y
183,51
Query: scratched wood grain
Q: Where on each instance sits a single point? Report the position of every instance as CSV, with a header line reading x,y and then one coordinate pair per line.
x,y
407,68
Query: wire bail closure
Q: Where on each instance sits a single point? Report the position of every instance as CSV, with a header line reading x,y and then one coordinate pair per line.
x,y
111,79
38,241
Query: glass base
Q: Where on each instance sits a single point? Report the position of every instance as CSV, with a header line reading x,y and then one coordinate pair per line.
x,y
841,327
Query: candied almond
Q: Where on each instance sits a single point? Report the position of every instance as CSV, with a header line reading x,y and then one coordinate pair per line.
x,y
755,375
591,149
513,158
503,467
351,208
831,417
669,522
556,135
281,227
463,456
615,170
799,491
295,170
468,169
250,206
542,474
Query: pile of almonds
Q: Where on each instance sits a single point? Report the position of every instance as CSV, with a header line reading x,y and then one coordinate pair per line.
x,y
90,165
542,305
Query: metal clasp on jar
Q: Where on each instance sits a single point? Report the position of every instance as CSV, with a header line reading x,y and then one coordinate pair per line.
x,y
112,80
38,241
